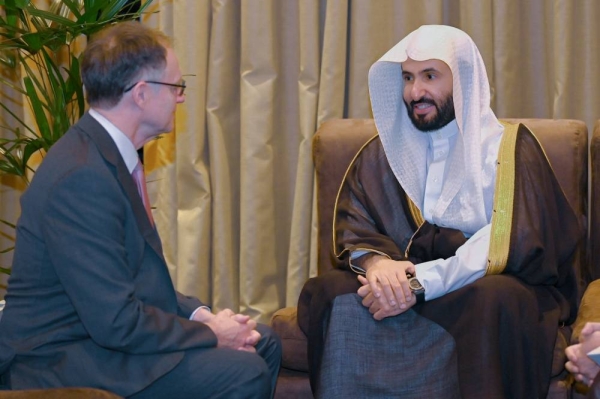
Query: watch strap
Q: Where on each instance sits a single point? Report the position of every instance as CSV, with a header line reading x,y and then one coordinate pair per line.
x,y
420,296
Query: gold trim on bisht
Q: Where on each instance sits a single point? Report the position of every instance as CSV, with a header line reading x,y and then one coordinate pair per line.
x,y
504,195
415,212
337,197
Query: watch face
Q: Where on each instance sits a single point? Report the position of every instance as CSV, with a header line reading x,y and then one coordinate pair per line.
x,y
414,284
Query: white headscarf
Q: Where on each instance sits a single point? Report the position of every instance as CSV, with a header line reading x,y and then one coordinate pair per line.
x,y
467,193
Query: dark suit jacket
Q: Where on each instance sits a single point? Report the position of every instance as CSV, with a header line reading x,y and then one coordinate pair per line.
x,y
90,301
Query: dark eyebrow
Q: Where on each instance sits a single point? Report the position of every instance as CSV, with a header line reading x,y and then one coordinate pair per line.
x,y
426,70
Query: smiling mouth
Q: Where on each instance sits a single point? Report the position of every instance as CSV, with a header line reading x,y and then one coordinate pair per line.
x,y
422,103
422,107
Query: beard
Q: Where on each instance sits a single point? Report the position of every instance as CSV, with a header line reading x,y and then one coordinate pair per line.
x,y
444,114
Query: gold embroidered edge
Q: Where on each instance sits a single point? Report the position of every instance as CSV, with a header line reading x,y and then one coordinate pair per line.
x,y
503,201
415,212
337,197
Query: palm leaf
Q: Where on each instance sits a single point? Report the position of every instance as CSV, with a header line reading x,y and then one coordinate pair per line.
x,y
74,86
49,16
38,109
16,117
31,146
61,8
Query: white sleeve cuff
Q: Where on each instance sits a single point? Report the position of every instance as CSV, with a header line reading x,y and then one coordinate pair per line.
x,y
442,276
198,308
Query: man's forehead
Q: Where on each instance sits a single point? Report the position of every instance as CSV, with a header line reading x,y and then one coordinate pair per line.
x,y
413,66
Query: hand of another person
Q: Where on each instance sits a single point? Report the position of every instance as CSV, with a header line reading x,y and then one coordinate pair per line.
x,y
589,328
388,282
374,306
232,333
580,365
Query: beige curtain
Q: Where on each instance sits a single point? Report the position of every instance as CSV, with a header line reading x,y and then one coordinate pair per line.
x,y
233,185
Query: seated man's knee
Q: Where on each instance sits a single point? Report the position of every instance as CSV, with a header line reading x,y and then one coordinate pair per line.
x,y
249,376
499,285
502,292
269,346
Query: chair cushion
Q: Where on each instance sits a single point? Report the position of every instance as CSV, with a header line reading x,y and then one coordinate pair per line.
x,y
285,324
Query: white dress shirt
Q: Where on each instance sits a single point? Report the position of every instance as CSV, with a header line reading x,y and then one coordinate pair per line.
x,y
442,276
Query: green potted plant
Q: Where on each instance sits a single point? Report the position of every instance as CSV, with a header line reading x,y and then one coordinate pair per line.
x,y
40,50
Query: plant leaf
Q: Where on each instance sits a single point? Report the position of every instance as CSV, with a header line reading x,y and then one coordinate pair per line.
x,y
49,16
74,86
33,40
38,109
17,118
59,7
32,146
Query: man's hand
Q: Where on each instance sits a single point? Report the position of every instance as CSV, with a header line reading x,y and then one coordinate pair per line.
x,y
388,282
374,306
254,336
580,365
589,328
233,330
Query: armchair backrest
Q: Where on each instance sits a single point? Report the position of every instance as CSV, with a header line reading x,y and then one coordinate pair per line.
x,y
337,141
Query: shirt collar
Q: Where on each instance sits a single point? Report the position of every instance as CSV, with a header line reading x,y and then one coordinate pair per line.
x,y
124,144
450,130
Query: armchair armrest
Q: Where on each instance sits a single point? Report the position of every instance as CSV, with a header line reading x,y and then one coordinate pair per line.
x,y
293,340
589,309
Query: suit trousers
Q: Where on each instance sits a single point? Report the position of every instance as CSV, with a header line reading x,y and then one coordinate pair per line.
x,y
222,373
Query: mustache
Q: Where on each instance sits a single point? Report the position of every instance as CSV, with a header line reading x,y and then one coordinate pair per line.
x,y
423,100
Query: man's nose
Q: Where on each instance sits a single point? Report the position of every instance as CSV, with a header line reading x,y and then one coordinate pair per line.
x,y
417,90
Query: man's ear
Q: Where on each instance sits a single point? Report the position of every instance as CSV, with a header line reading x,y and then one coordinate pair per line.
x,y
139,94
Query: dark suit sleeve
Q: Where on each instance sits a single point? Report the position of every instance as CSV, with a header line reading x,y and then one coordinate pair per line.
x,y
187,304
87,218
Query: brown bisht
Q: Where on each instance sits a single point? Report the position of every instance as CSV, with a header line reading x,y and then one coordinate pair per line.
x,y
504,324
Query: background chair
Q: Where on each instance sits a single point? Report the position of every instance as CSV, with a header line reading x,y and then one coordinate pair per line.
x,y
335,144
589,309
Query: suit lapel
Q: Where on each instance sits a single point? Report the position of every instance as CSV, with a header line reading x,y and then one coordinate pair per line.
x,y
108,149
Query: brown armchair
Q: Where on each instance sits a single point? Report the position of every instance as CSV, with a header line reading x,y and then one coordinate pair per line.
x,y
589,309
335,144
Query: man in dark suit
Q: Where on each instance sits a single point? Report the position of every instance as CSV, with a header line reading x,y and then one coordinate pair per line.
x,y
90,301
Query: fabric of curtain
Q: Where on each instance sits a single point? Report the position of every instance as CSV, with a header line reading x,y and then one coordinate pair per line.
x,y
233,187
